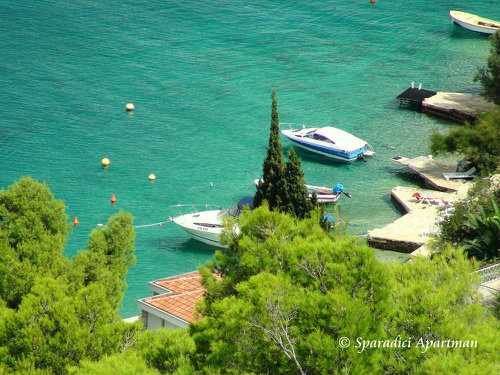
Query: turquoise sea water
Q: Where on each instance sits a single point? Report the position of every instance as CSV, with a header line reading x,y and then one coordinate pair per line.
x,y
200,75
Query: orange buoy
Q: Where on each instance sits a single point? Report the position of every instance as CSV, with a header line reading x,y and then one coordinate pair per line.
x,y
113,199
75,221
159,225
129,107
372,1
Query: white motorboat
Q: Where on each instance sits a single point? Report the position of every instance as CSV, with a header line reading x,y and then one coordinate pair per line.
x,y
328,141
206,226
474,23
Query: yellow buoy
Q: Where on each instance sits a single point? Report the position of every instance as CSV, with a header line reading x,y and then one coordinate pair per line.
x,y
105,162
152,177
129,107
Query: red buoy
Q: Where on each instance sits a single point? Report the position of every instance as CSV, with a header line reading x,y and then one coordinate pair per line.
x,y
372,1
159,225
76,222
113,199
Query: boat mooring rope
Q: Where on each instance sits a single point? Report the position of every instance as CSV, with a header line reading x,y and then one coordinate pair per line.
x,y
153,225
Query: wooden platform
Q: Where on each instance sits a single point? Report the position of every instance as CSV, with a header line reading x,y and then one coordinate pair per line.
x,y
431,171
457,107
411,231
415,95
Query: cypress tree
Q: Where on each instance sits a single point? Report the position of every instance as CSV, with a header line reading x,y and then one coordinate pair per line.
x,y
274,165
296,196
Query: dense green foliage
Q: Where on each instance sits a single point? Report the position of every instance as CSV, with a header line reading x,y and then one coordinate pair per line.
x,y
435,300
32,237
282,185
55,312
490,76
478,142
475,223
288,291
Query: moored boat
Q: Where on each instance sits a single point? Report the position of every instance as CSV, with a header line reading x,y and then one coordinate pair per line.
x,y
474,23
323,194
207,225
328,141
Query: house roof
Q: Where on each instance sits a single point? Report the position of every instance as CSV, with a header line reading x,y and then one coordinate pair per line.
x,y
183,292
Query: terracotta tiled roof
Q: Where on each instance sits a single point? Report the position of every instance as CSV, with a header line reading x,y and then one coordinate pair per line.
x,y
181,283
186,292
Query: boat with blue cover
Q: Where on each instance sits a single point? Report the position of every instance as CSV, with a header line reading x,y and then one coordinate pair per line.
x,y
328,141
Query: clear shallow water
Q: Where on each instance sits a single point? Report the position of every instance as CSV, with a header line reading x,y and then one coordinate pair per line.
x,y
200,75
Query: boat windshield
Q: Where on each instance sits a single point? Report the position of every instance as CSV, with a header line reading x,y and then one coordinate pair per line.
x,y
320,137
235,210
231,211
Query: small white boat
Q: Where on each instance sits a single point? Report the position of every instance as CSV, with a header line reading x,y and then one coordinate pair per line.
x,y
328,141
324,194
206,226
327,195
474,23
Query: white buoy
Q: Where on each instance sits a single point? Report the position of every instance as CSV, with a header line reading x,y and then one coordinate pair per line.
x,y
129,107
152,177
211,185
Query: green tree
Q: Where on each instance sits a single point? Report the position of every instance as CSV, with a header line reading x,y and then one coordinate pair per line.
x,y
474,223
273,180
128,363
282,185
296,200
490,76
55,328
54,313
486,230
288,292
478,142
32,237
109,255
436,300
168,351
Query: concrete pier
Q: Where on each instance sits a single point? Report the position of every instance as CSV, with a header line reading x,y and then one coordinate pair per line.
x,y
413,230
457,107
453,106
432,172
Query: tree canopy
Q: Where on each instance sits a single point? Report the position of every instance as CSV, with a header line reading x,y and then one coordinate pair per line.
x,y
32,237
478,142
54,312
290,292
490,76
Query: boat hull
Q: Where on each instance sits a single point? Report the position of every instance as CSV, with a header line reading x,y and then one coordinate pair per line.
x,y
202,226
470,22
328,152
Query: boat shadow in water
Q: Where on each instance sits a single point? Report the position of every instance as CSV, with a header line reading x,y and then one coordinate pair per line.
x,y
185,245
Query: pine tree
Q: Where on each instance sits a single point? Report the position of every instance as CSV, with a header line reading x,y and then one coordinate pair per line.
x,y
490,77
274,165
